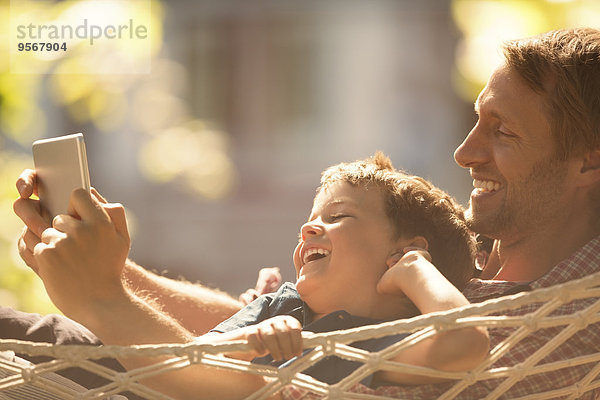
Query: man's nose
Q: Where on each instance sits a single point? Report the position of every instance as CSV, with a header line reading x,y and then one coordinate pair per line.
x,y
474,150
312,228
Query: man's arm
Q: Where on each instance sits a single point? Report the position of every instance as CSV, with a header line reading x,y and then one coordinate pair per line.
x,y
80,262
455,350
194,306
197,308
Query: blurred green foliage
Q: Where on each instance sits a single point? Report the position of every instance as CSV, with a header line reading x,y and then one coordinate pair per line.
x,y
96,99
171,145
485,24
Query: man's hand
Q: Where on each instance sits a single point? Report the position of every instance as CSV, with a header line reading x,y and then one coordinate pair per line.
x,y
81,260
29,211
269,279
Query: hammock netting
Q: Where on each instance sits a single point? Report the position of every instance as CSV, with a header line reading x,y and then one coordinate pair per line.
x,y
18,378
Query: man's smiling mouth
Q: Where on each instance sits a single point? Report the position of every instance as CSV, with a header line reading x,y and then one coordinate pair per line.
x,y
485,186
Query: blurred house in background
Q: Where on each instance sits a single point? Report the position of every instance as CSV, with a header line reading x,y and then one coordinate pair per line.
x,y
296,87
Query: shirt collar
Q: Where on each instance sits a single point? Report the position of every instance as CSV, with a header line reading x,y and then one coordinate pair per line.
x,y
583,262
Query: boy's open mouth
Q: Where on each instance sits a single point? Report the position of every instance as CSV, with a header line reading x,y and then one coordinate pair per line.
x,y
314,254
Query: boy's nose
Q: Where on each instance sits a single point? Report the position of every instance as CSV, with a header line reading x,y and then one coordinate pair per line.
x,y
474,150
311,228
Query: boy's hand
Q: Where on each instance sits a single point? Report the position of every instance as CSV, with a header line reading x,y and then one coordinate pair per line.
x,y
398,270
81,260
281,336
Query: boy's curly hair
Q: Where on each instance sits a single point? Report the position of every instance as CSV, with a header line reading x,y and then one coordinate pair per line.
x,y
416,208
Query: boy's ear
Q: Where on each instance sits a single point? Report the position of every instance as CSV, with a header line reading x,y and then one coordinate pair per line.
x,y
417,241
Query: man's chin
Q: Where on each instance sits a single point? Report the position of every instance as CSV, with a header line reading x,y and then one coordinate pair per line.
x,y
490,226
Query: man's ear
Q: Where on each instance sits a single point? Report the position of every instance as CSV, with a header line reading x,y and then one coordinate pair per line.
x,y
590,168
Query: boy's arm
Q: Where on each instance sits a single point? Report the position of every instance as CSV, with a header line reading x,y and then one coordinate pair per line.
x,y
80,262
280,336
196,307
455,350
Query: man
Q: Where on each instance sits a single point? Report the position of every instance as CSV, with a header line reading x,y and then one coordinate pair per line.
x,y
534,155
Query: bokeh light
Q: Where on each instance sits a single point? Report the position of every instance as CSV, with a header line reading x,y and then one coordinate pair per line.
x,y
486,24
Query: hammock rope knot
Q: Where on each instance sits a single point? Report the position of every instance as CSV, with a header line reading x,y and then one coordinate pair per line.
x,y
470,378
374,361
530,322
285,375
335,393
120,378
194,357
581,321
329,347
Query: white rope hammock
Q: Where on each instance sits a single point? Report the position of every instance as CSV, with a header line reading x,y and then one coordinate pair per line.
x,y
16,376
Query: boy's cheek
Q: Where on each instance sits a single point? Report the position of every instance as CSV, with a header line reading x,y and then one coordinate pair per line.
x,y
296,260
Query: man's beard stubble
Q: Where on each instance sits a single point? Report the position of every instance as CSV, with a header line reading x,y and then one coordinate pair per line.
x,y
528,203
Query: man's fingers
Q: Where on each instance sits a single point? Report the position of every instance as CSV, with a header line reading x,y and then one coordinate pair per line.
x,y
26,183
98,196
51,236
248,296
116,212
26,252
84,205
29,212
65,223
268,281
29,239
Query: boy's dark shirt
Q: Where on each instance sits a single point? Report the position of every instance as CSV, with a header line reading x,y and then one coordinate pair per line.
x,y
287,301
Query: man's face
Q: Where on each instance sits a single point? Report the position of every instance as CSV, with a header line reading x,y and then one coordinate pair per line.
x,y
343,249
510,152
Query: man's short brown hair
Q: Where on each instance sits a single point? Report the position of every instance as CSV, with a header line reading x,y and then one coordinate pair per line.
x,y
564,66
416,208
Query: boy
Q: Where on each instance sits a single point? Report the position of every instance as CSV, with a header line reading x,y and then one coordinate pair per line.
x,y
366,215
350,261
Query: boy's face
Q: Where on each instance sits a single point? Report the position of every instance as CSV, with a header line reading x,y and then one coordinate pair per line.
x,y
343,251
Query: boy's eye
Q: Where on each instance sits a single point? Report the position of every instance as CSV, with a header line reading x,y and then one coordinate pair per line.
x,y
336,217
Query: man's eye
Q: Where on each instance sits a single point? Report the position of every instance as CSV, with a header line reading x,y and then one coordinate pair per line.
x,y
505,133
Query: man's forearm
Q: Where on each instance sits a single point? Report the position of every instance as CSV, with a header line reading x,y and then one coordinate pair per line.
x,y
152,326
195,307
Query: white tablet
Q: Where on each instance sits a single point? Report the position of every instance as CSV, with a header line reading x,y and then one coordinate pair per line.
x,y
61,166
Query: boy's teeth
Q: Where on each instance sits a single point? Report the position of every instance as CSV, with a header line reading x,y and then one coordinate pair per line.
x,y
313,251
486,186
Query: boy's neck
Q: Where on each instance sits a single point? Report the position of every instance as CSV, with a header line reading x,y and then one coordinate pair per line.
x,y
402,311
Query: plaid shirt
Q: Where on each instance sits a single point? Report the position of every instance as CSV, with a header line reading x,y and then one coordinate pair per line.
x,y
582,263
